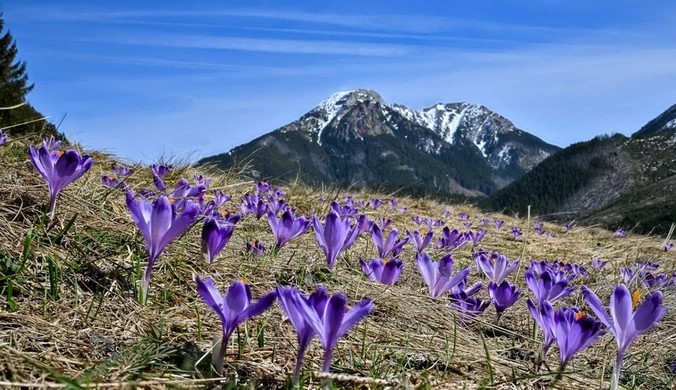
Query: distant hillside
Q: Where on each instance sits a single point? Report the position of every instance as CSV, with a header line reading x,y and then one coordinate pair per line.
x,y
612,180
355,137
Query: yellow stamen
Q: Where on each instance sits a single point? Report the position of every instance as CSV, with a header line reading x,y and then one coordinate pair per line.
x,y
59,153
422,232
111,177
224,213
207,198
636,298
579,315
172,200
384,261
254,241
243,281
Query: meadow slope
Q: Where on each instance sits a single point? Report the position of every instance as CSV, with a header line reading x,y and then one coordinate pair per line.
x,y
73,319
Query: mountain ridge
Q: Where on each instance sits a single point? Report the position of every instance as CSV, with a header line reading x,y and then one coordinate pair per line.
x,y
471,149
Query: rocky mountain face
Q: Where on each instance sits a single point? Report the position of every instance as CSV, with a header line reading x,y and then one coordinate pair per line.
x,y
355,137
613,180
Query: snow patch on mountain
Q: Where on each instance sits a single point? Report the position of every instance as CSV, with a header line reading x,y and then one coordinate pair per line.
x,y
670,125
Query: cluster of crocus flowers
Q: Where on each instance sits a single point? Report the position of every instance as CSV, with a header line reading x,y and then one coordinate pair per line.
x,y
382,271
160,224
119,173
323,315
628,319
465,304
233,308
438,275
547,286
252,203
58,168
451,239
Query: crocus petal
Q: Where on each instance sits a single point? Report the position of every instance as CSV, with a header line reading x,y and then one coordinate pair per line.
x,y
356,314
621,308
333,320
596,306
649,312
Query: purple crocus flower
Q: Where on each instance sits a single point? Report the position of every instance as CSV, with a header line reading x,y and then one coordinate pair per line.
x,y
202,180
110,181
287,227
538,224
233,308
215,236
333,235
597,263
447,213
476,237
252,203
668,246
276,205
467,224
343,211
647,266
332,322
539,231
573,332
363,224
499,223
375,203
288,298
418,219
159,172
3,138
621,233
463,216
651,280
544,318
628,275
625,323
439,275
393,202
381,270
388,245
220,198
420,239
551,235
467,307
497,268
262,187
545,288
516,232
184,191
58,168
256,247
484,222
121,171
567,228
451,239
159,226
385,223
402,210
503,296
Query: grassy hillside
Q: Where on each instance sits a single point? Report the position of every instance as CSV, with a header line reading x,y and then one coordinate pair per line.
x,y
72,318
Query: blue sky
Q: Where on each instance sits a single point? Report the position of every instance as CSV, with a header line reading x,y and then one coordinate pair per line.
x,y
143,78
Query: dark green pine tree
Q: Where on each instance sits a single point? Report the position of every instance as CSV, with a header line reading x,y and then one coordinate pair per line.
x,y
14,86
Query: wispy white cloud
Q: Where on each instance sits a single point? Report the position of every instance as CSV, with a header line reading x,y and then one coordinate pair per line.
x,y
258,44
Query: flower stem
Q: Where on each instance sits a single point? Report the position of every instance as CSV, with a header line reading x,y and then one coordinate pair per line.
x,y
295,380
326,383
558,377
616,372
219,357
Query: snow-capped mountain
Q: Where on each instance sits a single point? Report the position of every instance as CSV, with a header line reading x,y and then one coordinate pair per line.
x,y
472,149
665,122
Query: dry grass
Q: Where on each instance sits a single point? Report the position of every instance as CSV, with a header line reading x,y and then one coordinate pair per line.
x,y
96,332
